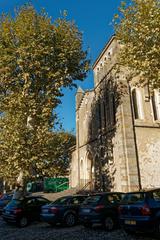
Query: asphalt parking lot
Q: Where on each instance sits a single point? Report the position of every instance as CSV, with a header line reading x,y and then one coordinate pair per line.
x,y
42,231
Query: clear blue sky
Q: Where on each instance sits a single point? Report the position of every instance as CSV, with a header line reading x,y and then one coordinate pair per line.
x,y
94,19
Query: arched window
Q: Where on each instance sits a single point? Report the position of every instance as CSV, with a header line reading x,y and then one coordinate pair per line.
x,y
112,108
107,109
137,103
81,168
104,114
156,104
99,115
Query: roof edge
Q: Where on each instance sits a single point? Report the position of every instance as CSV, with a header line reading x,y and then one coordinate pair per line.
x,y
103,51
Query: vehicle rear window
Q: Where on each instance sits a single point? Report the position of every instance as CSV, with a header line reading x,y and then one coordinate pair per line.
x,y
113,198
133,197
6,197
92,199
156,195
63,200
14,203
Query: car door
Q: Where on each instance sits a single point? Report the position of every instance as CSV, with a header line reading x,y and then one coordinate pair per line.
x,y
39,203
111,204
30,208
75,203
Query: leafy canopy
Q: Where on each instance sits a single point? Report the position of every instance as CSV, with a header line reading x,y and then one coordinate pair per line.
x,y
38,58
137,26
59,161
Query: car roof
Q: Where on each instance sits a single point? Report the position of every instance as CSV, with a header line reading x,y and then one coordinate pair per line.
x,y
105,193
145,190
79,195
71,196
7,194
33,197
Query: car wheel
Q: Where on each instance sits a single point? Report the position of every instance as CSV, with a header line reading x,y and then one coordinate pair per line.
x,y
109,223
70,220
23,222
87,225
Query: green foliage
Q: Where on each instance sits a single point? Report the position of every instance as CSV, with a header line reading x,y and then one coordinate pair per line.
x,y
37,59
137,27
59,161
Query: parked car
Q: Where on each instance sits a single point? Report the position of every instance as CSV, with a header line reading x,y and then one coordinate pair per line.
x,y
101,208
140,211
22,212
1,194
64,210
4,200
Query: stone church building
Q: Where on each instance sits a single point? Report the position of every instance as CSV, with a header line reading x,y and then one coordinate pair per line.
x,y
117,131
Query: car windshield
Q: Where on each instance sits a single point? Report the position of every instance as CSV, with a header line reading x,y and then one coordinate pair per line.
x,y
61,201
92,199
133,197
14,203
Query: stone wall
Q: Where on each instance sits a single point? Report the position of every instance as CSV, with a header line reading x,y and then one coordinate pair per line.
x,y
148,141
73,178
115,151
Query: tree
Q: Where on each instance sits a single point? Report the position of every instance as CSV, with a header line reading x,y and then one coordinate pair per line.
x,y
59,161
37,59
137,26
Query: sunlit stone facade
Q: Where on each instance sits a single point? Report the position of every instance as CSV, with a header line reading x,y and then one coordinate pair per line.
x,y
117,131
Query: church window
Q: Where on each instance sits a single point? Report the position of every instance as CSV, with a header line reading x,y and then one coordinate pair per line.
x,y
81,169
137,103
109,54
112,108
156,104
99,115
104,114
107,109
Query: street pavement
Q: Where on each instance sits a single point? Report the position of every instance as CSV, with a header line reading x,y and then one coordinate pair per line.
x,y
42,231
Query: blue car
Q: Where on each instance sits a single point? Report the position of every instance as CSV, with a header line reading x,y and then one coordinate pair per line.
x,y
22,212
140,211
101,208
4,200
64,210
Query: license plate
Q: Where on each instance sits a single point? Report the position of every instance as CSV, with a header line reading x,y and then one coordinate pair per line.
x,y
45,211
86,210
130,222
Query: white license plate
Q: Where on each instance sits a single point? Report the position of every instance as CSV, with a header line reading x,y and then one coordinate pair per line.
x,y
45,211
130,222
86,210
